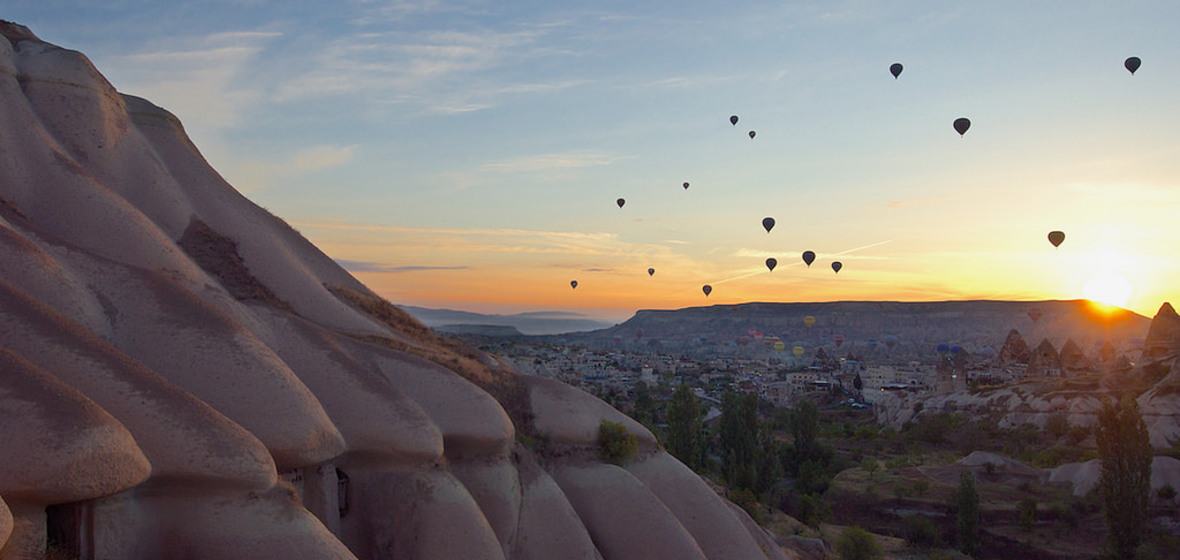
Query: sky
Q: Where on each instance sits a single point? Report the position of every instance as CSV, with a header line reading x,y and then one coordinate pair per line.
x,y
469,155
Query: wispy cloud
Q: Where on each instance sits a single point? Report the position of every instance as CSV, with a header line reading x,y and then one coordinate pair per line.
x,y
548,162
320,157
365,266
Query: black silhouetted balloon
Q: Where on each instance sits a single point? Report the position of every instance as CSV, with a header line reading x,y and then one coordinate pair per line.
x,y
836,266
808,257
574,284
707,289
895,69
1132,64
620,202
771,263
962,124
651,271
686,185
752,135
733,120
1056,237
768,223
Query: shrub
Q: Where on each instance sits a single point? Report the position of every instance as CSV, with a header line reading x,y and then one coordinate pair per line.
x,y
920,531
615,444
1166,492
1028,513
857,544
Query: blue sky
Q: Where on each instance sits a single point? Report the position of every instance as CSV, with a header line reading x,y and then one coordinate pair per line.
x,y
469,154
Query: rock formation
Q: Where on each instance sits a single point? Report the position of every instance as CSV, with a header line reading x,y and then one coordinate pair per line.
x,y
184,375
1163,338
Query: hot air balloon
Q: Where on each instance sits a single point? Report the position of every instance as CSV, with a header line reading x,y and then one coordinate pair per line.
x,y
961,125
797,351
890,341
839,339
1132,64
752,133
808,257
620,202
1034,313
771,263
574,284
836,266
651,271
733,120
707,289
686,185
1056,237
943,348
768,223
895,69
780,346
809,321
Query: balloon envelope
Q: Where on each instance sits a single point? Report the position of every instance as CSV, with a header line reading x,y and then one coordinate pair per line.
x,y
809,321
733,120
797,351
686,185
707,289
839,339
961,125
768,223
573,283
895,69
1034,313
836,266
651,271
1132,64
620,202
771,263
808,257
1056,237
779,346
752,133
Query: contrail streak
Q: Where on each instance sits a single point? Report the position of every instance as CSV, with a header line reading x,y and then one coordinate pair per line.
x,y
757,272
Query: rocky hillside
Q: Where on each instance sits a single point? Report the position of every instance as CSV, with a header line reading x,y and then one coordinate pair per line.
x,y
913,327
184,375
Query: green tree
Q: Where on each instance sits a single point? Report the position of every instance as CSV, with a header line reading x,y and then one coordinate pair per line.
x,y
870,466
615,444
855,543
738,438
1028,513
967,513
683,435
1124,481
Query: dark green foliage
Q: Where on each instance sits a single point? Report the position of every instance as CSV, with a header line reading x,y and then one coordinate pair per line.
x,y
812,510
1166,492
855,543
934,428
684,440
746,500
1124,483
967,513
921,486
615,444
1057,425
738,437
920,531
1028,513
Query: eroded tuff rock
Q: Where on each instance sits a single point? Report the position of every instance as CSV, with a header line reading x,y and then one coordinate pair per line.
x,y
182,371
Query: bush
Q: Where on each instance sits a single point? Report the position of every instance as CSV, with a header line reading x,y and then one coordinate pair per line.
x,y
920,531
615,444
1166,493
1028,513
857,544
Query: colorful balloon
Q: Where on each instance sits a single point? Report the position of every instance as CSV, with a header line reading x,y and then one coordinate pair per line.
x,y
809,321
839,339
1034,313
961,125
808,258
797,351
895,69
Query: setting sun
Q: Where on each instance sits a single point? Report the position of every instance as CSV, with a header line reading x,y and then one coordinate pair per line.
x,y
1108,288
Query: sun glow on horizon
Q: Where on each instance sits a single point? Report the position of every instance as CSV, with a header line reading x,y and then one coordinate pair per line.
x,y
1108,288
